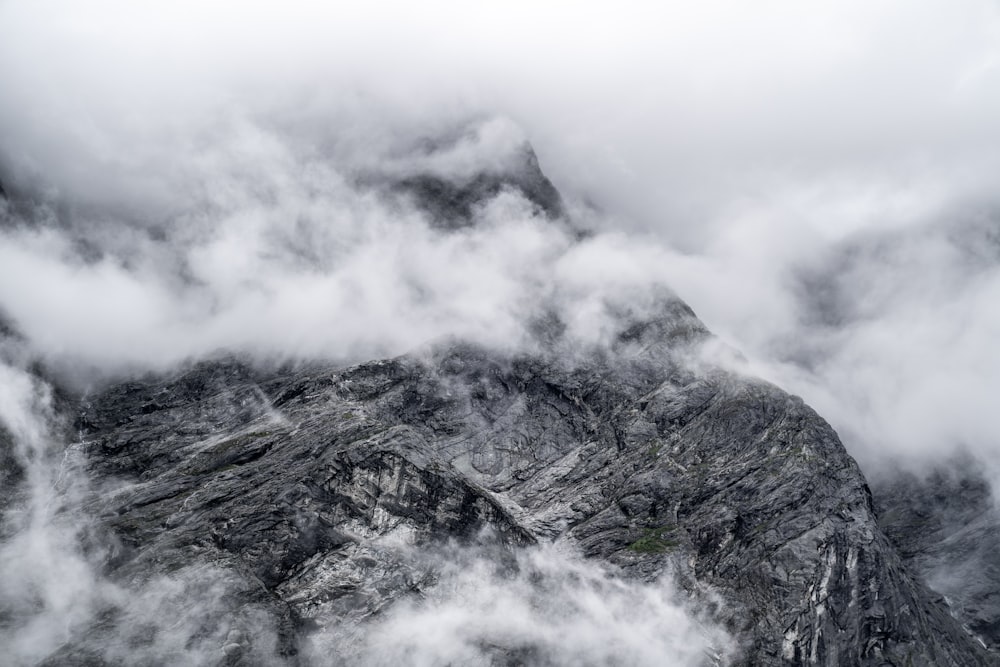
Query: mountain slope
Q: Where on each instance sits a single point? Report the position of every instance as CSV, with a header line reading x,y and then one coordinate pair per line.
x,y
284,506
291,481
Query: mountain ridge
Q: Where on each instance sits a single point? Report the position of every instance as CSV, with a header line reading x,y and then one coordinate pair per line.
x,y
291,497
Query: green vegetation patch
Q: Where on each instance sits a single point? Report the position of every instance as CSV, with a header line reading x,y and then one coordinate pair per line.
x,y
653,541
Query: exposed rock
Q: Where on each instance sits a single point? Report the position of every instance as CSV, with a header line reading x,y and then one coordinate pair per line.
x,y
947,528
278,499
452,204
294,481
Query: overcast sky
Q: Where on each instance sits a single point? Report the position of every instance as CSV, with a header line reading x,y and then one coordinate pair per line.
x,y
818,180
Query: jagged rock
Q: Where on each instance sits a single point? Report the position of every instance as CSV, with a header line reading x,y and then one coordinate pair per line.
x,y
451,204
292,480
946,527
288,490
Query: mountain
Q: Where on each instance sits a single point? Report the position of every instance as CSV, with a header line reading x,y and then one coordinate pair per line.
x,y
946,527
270,509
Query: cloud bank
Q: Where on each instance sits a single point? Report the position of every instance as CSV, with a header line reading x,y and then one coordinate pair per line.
x,y
818,183
745,151
544,607
284,255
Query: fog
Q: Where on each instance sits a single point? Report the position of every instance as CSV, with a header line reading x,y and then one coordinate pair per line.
x,y
53,589
817,182
541,605
44,575
762,151
286,258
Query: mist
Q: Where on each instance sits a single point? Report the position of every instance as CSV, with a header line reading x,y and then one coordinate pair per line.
x,y
751,147
545,606
818,183
288,259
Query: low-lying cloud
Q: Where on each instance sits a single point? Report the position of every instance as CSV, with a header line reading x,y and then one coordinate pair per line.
x,y
283,255
819,184
477,604
537,606
205,162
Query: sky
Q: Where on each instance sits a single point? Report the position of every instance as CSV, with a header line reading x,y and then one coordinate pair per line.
x,y
816,181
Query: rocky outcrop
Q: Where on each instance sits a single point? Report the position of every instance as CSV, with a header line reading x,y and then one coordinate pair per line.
x,y
946,527
451,204
291,480
279,498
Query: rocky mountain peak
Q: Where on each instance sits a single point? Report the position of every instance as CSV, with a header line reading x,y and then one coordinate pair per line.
x,y
283,515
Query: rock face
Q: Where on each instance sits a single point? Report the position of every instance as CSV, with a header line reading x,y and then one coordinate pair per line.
x,y
293,486
290,479
451,204
946,527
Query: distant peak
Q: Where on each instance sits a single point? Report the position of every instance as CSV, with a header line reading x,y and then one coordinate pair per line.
x,y
448,176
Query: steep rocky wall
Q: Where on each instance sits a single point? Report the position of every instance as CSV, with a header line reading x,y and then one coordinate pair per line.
x,y
297,481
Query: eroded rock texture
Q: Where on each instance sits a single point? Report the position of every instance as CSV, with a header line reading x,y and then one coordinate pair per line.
x,y
283,495
290,480
946,527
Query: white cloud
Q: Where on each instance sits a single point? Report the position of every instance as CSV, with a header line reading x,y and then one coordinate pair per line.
x,y
753,140
816,181
544,605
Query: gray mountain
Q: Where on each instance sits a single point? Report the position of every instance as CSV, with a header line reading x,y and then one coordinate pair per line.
x,y
292,488
946,526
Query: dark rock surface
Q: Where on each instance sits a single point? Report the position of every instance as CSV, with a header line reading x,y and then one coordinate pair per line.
x,y
947,528
451,204
450,198
288,491
290,480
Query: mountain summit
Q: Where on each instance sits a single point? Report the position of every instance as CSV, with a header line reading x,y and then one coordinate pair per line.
x,y
249,516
